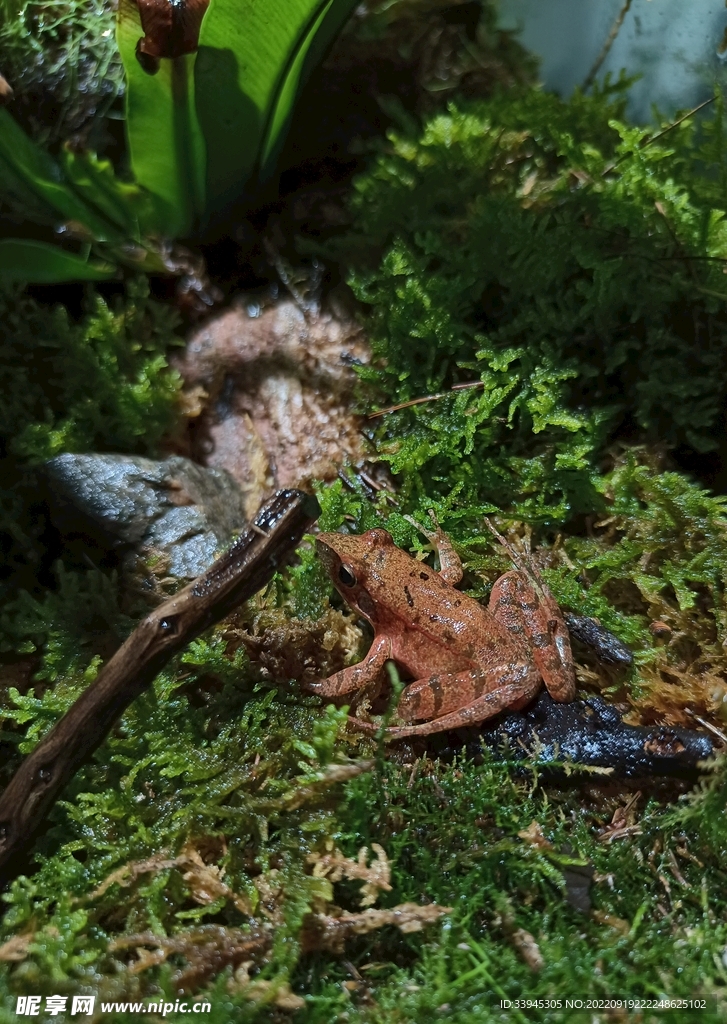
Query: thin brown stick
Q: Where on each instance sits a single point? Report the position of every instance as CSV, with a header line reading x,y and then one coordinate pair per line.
x,y
524,563
606,48
425,398
659,135
708,725
243,570
675,239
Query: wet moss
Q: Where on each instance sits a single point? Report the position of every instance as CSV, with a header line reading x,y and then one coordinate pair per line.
x,y
64,67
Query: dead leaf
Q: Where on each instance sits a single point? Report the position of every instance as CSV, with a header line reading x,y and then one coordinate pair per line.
x,y
6,92
376,876
207,950
622,823
324,931
533,835
278,993
528,949
16,949
127,875
204,880
329,776
612,921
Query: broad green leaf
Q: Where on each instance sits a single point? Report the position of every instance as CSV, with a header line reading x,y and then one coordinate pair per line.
x,y
40,173
39,263
126,205
165,142
247,51
19,194
310,51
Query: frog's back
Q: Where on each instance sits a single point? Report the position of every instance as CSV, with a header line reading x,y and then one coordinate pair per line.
x,y
424,603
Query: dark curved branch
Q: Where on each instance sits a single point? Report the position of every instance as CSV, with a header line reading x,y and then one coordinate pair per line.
x,y
243,570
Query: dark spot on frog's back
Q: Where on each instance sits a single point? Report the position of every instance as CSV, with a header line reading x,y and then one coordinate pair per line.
x,y
538,640
423,576
409,598
376,539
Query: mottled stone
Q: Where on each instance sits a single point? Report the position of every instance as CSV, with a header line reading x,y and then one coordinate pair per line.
x,y
272,393
174,507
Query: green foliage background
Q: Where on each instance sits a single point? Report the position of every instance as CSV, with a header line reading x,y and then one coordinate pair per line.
x,y
587,301
97,382
544,250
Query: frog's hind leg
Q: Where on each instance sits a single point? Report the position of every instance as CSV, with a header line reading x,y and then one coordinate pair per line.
x,y
460,699
533,617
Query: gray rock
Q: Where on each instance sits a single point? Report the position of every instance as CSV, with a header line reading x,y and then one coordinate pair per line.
x,y
176,507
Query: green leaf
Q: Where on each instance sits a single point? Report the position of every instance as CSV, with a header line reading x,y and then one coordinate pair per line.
x,y
323,29
199,128
251,60
39,263
165,140
126,205
39,172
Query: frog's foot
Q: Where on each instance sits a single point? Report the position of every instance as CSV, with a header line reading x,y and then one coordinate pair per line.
x,y
450,564
487,700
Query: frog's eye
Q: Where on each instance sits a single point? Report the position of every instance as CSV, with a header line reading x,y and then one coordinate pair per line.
x,y
346,577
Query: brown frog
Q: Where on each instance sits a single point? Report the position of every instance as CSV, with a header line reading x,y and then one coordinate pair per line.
x,y
467,662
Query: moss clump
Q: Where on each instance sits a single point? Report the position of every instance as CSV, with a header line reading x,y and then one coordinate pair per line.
x,y
63,64
219,793
586,298
465,835
99,383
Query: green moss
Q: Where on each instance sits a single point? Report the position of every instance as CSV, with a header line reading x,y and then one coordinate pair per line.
x,y
101,382
586,301
462,832
62,61
223,789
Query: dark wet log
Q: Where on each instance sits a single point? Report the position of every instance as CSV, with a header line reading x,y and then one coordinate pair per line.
x,y
588,732
607,647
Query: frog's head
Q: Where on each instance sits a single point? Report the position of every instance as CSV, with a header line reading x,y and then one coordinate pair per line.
x,y
349,559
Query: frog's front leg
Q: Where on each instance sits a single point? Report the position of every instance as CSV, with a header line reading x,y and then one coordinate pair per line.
x,y
528,610
450,564
356,676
